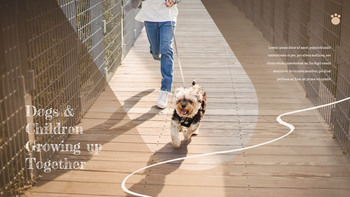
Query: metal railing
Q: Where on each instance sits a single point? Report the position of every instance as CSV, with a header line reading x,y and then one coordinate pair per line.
x,y
53,54
308,23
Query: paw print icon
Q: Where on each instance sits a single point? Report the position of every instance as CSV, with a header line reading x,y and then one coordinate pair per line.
x,y
335,19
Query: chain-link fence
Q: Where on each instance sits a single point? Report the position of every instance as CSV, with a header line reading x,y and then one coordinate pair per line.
x,y
13,172
308,23
130,25
54,54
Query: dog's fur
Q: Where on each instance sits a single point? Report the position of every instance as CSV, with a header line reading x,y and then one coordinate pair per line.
x,y
189,110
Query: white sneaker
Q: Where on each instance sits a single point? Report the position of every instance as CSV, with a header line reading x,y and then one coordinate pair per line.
x,y
162,101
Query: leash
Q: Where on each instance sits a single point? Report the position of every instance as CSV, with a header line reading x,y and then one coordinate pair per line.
x,y
176,50
278,119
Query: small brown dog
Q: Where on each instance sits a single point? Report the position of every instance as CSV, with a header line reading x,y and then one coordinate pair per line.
x,y
190,108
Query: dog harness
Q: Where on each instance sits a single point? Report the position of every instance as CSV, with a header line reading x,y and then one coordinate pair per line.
x,y
186,122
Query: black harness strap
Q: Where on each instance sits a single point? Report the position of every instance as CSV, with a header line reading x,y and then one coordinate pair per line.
x,y
186,122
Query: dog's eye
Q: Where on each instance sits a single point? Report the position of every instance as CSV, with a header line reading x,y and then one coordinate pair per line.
x,y
190,101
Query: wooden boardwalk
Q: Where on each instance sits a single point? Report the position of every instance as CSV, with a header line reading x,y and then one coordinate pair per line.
x,y
243,101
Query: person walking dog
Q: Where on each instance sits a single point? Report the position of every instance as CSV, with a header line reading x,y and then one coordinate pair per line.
x,y
159,24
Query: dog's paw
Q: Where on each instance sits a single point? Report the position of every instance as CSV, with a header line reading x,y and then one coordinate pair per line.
x,y
176,143
187,135
196,132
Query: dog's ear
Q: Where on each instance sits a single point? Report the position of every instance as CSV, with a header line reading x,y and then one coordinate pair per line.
x,y
176,92
199,97
194,82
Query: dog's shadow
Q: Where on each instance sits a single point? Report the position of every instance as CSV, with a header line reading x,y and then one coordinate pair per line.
x,y
154,178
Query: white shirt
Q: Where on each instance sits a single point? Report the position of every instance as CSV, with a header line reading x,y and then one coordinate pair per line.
x,y
156,11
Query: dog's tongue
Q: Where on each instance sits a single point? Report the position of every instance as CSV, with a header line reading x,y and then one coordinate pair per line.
x,y
184,112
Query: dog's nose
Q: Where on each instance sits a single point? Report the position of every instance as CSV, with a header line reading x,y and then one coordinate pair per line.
x,y
183,106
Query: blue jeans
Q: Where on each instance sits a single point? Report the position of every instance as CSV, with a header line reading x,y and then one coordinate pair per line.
x,y
160,37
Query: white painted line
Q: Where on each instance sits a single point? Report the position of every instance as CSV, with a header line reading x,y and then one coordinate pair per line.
x,y
279,120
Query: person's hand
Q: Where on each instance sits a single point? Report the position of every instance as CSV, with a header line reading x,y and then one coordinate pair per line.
x,y
169,3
